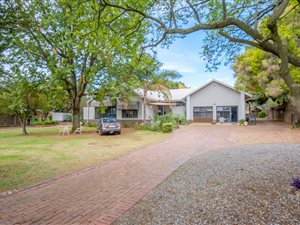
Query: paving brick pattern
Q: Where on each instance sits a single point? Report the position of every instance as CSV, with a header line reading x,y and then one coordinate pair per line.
x,y
101,194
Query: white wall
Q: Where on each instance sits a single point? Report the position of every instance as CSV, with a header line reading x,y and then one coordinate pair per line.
x,y
89,113
188,108
149,112
214,95
178,110
59,116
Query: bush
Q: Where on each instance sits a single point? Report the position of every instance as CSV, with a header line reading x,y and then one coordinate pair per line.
x,y
183,121
242,121
154,127
43,123
169,118
90,124
151,127
128,124
262,114
167,127
157,124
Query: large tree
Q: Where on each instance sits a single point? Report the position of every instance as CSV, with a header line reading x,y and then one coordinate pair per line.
x,y
232,23
73,42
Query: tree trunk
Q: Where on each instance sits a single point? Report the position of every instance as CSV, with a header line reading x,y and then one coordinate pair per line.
x,y
76,113
23,124
284,69
145,102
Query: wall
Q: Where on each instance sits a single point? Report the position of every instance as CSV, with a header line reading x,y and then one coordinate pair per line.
x,y
179,110
58,116
214,95
89,113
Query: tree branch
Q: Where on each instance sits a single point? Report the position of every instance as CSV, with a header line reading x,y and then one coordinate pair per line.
x,y
238,40
281,6
224,9
195,11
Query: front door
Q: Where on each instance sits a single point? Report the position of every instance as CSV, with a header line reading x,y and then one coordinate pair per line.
x,y
234,114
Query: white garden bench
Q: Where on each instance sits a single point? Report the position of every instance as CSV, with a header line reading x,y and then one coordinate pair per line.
x,y
64,130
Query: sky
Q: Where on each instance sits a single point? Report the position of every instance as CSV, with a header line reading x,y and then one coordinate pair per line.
x,y
184,57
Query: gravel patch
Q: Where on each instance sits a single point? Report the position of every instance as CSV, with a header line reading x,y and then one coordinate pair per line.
x,y
245,185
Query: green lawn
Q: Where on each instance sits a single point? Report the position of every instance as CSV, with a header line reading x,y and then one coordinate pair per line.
x,y
43,154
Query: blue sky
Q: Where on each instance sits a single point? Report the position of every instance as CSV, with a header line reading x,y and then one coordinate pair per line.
x,y
184,56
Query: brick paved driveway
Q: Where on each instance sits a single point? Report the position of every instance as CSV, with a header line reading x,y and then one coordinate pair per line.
x,y
100,194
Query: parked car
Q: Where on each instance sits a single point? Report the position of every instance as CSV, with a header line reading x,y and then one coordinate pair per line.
x,y
108,126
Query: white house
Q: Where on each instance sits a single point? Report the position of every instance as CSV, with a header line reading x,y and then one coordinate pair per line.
x,y
212,102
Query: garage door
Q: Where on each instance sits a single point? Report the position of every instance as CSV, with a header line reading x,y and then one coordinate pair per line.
x,y
203,114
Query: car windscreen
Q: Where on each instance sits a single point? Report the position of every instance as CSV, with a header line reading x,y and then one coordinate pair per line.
x,y
109,120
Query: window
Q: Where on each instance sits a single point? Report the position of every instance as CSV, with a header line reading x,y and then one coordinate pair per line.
x,y
130,113
180,104
110,112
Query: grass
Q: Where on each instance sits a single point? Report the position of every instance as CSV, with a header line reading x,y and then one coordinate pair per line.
x,y
25,160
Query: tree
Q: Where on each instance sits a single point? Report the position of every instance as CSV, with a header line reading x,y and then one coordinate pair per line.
x,y
73,42
232,24
257,72
20,95
151,78
176,85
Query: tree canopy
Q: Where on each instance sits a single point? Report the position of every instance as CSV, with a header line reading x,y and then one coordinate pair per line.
x,y
74,43
259,24
22,94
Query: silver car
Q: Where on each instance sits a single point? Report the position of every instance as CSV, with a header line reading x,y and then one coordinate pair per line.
x,y
108,126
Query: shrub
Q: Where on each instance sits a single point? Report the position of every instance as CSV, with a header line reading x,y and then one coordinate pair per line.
x,y
182,120
167,127
43,123
262,114
49,122
159,120
242,122
128,124
139,127
151,127
154,127
169,118
89,124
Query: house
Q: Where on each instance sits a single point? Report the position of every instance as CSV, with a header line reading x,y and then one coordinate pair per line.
x,y
212,102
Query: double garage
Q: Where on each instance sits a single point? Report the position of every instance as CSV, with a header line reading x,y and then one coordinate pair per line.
x,y
216,102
